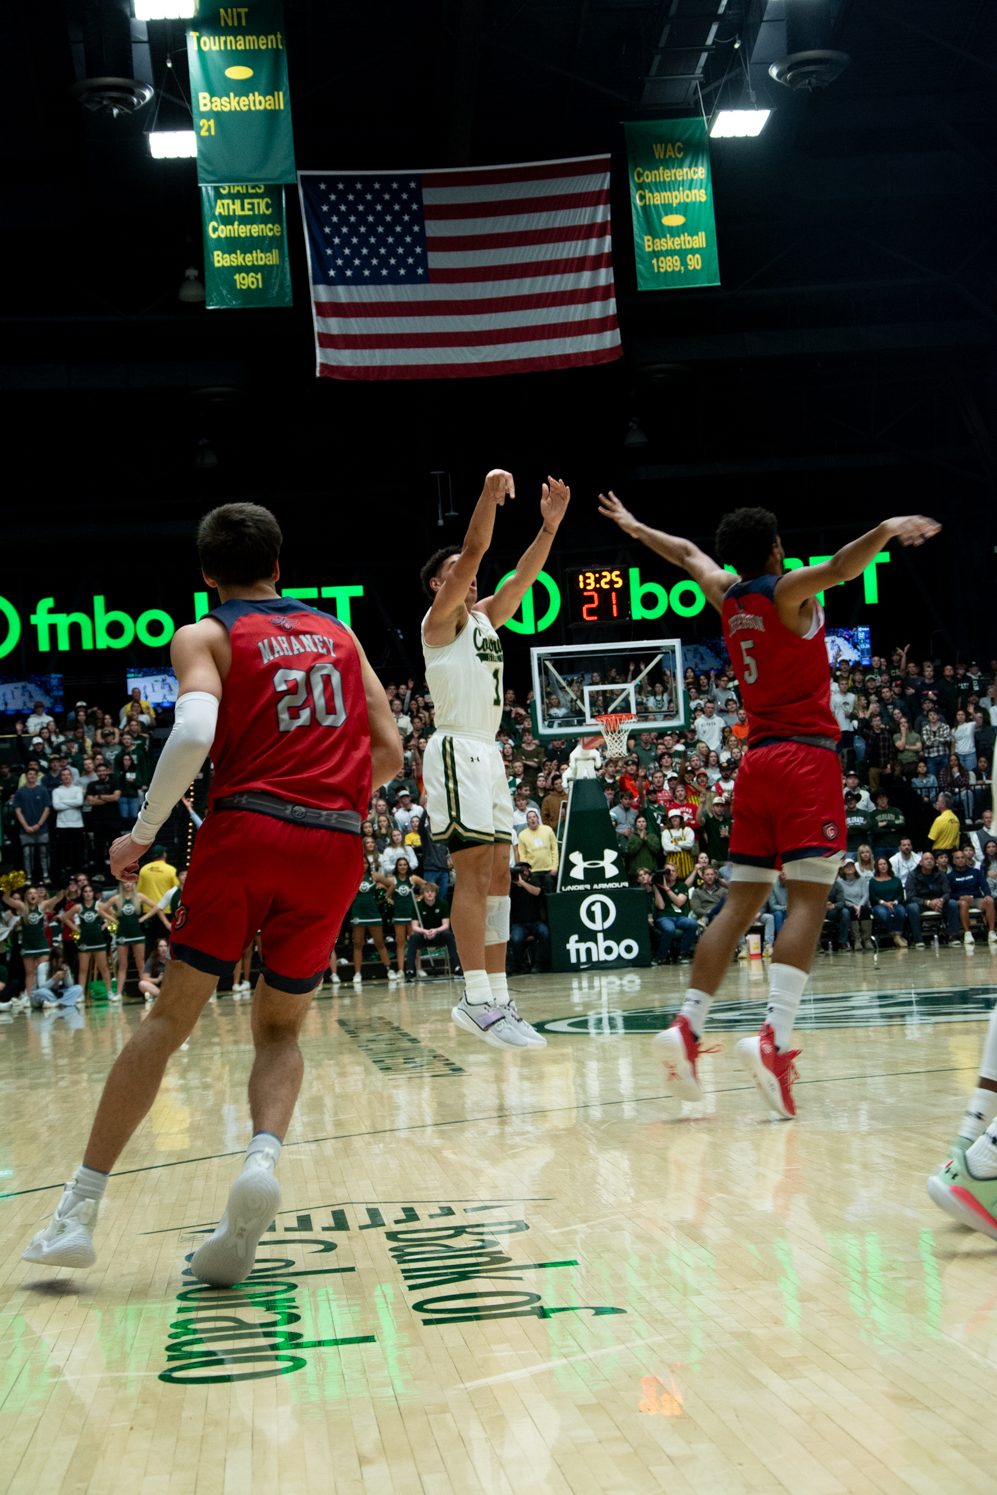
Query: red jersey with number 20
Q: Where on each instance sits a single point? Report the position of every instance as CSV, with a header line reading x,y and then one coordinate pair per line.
x,y
785,679
293,715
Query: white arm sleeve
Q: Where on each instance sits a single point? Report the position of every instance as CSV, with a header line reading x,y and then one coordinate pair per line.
x,y
186,749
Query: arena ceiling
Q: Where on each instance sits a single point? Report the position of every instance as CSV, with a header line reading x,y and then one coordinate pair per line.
x,y
848,354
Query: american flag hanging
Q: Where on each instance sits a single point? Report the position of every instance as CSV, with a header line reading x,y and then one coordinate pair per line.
x,y
451,274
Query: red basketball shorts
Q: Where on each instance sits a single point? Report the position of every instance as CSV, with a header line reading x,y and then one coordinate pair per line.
x,y
251,872
788,804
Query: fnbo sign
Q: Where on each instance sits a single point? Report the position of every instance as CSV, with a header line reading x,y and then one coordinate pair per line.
x,y
103,628
59,632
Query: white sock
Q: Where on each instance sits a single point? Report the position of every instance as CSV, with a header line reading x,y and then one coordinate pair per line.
x,y
477,989
988,1064
265,1142
88,1183
786,985
982,1156
981,1110
499,987
696,1008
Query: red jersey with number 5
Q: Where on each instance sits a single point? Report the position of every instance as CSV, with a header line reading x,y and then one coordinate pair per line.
x,y
785,679
293,716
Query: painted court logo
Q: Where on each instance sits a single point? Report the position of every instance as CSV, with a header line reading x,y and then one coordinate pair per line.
x,y
456,1271
852,1008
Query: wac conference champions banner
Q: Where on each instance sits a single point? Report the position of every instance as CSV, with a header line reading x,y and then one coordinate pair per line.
x,y
671,203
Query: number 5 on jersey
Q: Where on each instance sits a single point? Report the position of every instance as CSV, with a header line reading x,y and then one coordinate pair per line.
x,y
749,664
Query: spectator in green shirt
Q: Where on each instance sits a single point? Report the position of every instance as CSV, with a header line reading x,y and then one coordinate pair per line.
x,y
643,848
647,749
669,912
886,824
886,900
431,930
715,824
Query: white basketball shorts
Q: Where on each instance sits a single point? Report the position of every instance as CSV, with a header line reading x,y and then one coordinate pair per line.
x,y
467,791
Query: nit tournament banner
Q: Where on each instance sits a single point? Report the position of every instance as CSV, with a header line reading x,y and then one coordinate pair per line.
x,y
671,204
239,93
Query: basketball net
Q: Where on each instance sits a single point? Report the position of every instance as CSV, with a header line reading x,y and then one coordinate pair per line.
x,y
615,731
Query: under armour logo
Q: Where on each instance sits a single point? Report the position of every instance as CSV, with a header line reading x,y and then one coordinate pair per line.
x,y
578,864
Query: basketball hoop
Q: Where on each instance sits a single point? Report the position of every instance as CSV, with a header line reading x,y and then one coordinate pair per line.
x,y
615,730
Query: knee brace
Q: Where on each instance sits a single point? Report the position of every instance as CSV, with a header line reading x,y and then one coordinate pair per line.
x,y
497,920
813,869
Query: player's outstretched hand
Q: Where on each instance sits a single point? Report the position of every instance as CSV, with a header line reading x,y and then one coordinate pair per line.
x,y
913,529
554,499
125,855
499,485
610,505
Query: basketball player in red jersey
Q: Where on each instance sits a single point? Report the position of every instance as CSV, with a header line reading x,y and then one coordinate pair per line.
x,y
788,808
297,726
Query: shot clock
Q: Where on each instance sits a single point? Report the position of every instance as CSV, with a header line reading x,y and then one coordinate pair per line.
x,y
597,595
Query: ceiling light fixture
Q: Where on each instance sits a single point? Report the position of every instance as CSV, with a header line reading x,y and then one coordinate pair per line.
x,y
172,145
733,124
747,122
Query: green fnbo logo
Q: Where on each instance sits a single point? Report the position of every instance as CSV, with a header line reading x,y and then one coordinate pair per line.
x,y
109,628
102,629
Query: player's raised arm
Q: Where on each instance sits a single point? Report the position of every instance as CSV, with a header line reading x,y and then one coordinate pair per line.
x,y
703,569
453,589
554,499
797,588
199,689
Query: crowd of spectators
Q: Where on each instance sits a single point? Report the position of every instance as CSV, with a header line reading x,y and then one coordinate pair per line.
x,y
916,748
68,789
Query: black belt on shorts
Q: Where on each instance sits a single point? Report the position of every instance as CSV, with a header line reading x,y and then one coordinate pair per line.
x,y
283,809
821,742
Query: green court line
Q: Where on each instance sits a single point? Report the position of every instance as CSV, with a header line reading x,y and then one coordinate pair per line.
x,y
428,1126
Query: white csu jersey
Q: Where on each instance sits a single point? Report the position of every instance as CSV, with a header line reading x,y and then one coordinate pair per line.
x,y
465,679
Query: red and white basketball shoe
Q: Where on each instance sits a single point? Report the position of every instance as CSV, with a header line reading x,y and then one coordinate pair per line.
x,y
679,1049
771,1071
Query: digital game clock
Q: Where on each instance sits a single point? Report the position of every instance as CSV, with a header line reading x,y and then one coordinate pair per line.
x,y
597,594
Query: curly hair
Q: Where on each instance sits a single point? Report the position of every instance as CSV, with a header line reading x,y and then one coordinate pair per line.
x,y
745,539
433,565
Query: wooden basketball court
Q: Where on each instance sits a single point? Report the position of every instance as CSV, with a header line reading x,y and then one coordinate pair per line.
x,y
509,1273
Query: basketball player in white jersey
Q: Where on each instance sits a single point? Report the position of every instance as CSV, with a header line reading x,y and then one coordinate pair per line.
x,y
466,788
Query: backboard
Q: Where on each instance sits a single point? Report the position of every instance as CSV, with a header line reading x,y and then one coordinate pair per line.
x,y
573,684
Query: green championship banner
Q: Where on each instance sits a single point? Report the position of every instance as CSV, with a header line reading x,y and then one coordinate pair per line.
x,y
239,93
671,201
245,247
